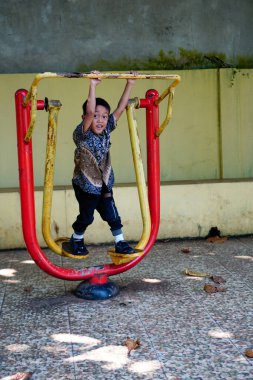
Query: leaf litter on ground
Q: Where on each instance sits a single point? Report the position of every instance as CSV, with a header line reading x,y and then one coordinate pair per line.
x,y
185,250
132,344
217,239
208,287
249,352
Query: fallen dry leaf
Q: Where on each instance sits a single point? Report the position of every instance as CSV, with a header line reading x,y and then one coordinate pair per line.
x,y
249,352
185,250
216,239
21,376
217,279
209,288
28,289
213,289
132,344
189,272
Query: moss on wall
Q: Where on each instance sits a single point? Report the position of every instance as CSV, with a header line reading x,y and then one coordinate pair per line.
x,y
184,60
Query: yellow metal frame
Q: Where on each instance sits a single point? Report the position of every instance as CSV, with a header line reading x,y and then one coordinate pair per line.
x,y
139,173
141,186
32,94
53,109
170,91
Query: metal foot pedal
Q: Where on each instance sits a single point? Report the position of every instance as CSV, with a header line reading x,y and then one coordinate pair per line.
x,y
121,258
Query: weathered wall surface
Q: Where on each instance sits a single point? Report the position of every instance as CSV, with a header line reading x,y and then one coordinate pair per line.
x,y
210,135
59,35
188,210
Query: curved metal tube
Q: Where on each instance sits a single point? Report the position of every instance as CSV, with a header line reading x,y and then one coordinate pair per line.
x,y
25,159
139,173
32,94
49,176
168,115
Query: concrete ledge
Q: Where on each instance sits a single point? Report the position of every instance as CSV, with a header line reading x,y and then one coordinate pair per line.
x,y
187,210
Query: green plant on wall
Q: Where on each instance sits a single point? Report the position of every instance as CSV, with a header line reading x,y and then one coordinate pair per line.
x,y
183,60
244,62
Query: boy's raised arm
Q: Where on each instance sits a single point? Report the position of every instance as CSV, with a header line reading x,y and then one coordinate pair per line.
x,y
91,104
124,98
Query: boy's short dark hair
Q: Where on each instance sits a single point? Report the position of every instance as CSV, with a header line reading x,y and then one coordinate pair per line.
x,y
99,102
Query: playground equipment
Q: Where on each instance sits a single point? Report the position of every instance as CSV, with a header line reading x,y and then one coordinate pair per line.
x,y
95,284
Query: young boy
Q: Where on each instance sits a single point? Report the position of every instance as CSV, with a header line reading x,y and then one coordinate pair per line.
x,y
93,177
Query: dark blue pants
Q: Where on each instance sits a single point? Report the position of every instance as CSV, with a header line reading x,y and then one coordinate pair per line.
x,y
103,203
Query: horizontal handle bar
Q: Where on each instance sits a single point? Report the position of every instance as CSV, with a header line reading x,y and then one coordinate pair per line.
x,y
32,93
89,75
176,78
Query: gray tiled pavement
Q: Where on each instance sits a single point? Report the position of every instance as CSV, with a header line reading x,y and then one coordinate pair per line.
x,y
185,333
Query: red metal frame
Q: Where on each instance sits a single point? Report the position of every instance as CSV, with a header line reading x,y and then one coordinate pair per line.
x,y
97,274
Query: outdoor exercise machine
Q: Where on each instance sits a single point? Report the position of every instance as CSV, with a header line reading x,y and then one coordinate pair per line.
x,y
95,283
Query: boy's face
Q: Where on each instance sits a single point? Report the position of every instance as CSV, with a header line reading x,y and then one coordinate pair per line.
x,y
100,120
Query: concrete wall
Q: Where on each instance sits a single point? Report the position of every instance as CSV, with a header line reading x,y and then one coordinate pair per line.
x,y
59,35
188,210
210,135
